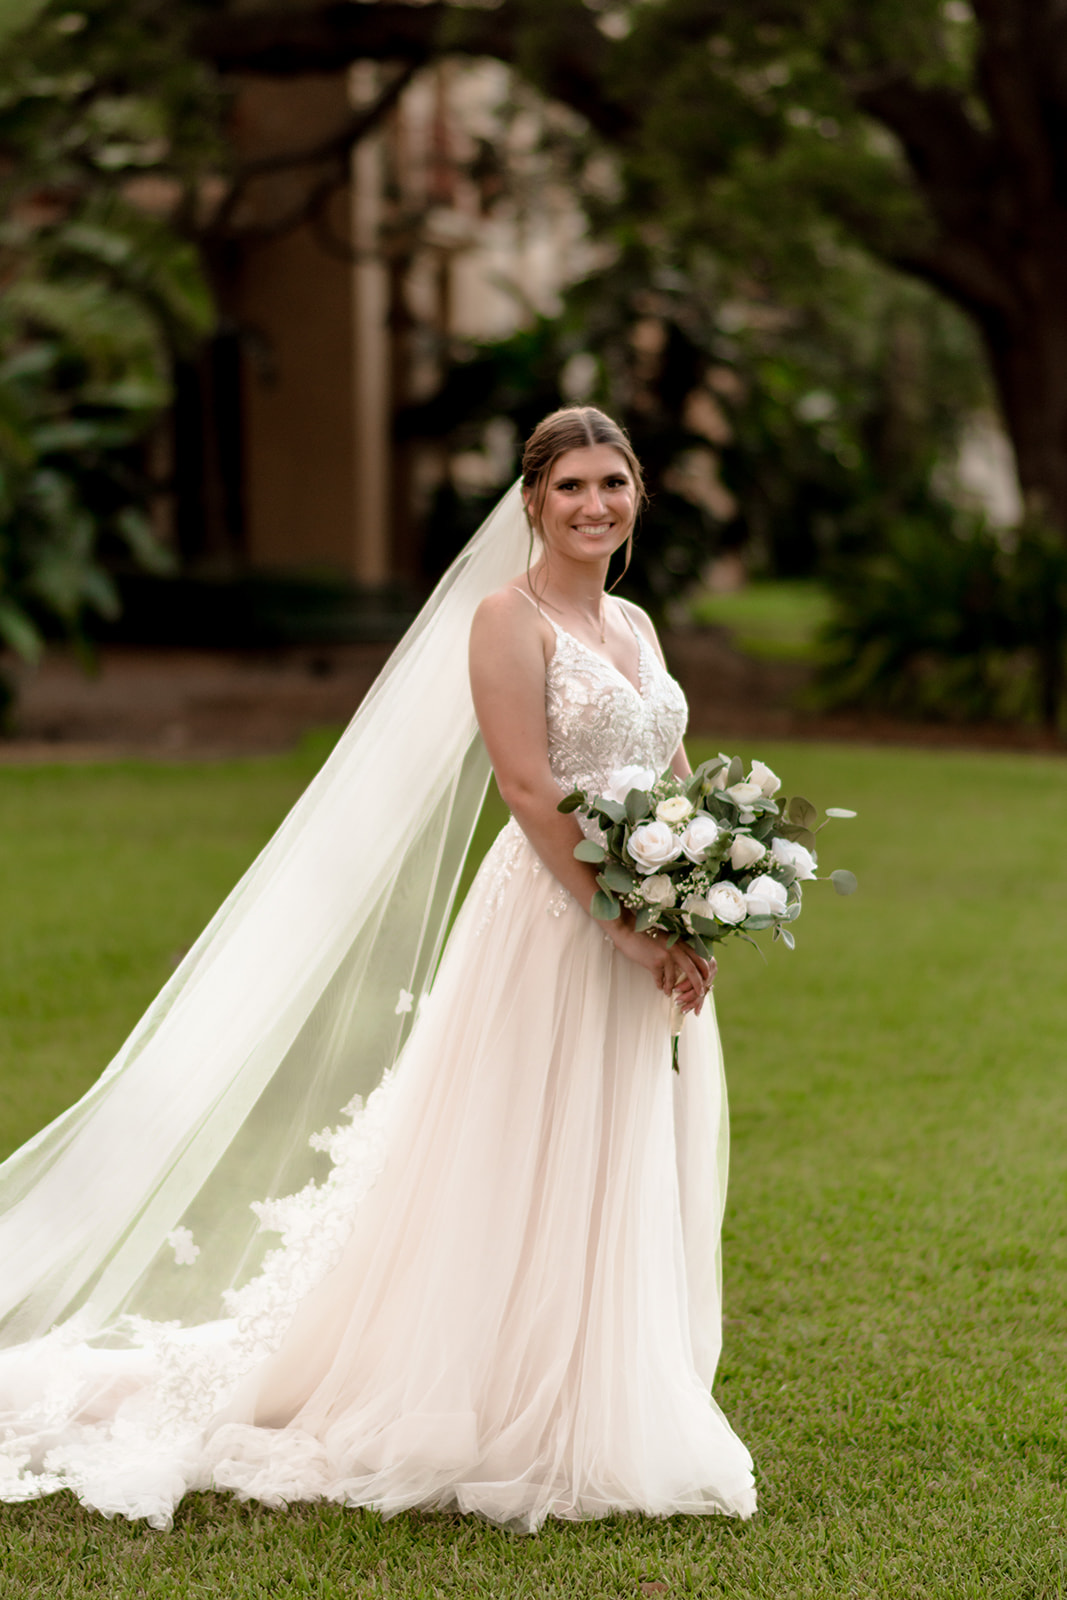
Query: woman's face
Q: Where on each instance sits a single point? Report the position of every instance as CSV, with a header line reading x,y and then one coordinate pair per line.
x,y
589,504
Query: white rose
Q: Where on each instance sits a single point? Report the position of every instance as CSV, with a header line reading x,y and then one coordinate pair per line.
x,y
701,834
620,783
788,854
652,845
674,809
766,897
659,890
726,903
719,780
745,852
745,793
769,782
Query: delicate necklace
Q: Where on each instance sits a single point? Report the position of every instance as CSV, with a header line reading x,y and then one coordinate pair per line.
x,y
600,624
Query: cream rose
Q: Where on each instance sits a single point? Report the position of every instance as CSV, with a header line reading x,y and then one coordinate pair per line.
x,y
789,854
674,809
701,834
745,793
766,897
652,846
659,890
719,780
768,782
621,782
745,851
726,903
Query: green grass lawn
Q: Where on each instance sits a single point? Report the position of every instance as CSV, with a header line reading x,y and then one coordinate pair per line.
x,y
895,1255
770,619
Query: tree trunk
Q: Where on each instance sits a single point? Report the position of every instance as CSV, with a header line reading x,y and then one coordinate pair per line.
x,y
1028,357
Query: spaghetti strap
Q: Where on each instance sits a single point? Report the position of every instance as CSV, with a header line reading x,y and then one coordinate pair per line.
x,y
536,607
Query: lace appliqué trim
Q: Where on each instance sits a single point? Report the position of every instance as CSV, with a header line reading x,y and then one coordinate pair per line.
x,y
598,721
511,851
176,1379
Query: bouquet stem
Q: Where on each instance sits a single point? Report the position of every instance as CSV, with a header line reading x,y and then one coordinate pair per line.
x,y
677,1018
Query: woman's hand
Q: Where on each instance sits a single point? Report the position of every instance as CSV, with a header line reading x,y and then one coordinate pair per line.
x,y
678,971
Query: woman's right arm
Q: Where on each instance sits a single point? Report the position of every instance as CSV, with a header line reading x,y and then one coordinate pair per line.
x,y
508,645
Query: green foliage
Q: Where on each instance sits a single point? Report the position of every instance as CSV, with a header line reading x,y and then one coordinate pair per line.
x,y
894,1262
98,293
749,130
952,619
795,431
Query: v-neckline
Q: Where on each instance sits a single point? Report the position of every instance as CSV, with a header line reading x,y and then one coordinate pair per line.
x,y
604,662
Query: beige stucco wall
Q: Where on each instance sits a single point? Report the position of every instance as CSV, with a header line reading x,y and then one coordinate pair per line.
x,y
322,366
293,298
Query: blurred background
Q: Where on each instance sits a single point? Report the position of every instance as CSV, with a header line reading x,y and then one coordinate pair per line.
x,y
285,283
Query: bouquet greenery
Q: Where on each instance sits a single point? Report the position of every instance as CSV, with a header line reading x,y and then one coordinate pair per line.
x,y
702,857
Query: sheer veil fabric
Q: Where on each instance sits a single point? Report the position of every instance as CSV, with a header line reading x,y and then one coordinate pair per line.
x,y
497,1286
283,1009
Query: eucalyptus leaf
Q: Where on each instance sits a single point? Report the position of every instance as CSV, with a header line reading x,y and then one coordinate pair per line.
x,y
736,771
696,943
604,907
616,877
638,805
571,803
756,923
705,925
802,812
839,811
787,939
673,939
589,850
844,881
610,809
644,919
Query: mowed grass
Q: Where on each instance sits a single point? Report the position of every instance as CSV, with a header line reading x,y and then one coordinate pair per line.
x,y
772,619
895,1259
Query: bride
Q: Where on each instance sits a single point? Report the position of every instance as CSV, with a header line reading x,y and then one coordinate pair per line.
x,y
496,1286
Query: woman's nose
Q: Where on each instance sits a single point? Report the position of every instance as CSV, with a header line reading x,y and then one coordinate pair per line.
x,y
593,506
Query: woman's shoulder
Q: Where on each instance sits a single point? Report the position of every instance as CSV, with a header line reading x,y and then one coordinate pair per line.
x,y
509,616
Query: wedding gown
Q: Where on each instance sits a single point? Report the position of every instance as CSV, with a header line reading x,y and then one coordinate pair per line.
x,y
505,1297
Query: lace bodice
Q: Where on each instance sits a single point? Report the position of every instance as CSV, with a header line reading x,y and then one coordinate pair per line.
x,y
597,720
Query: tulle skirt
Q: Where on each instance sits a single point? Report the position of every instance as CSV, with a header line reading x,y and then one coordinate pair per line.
x,y
522,1308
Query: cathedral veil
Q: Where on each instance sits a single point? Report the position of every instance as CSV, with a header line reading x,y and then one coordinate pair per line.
x,y
291,1002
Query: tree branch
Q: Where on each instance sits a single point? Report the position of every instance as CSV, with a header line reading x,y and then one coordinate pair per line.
x,y
284,42
333,151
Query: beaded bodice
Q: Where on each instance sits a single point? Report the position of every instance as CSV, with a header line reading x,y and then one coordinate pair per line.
x,y
599,722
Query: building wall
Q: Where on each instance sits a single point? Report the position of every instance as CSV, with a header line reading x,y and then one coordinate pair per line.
x,y
292,300
344,321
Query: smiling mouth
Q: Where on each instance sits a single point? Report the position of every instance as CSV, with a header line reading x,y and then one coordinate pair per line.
x,y
593,528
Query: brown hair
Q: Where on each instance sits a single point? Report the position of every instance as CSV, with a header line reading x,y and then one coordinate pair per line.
x,y
574,428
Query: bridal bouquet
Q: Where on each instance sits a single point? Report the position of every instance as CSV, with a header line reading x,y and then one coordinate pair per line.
x,y
702,857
